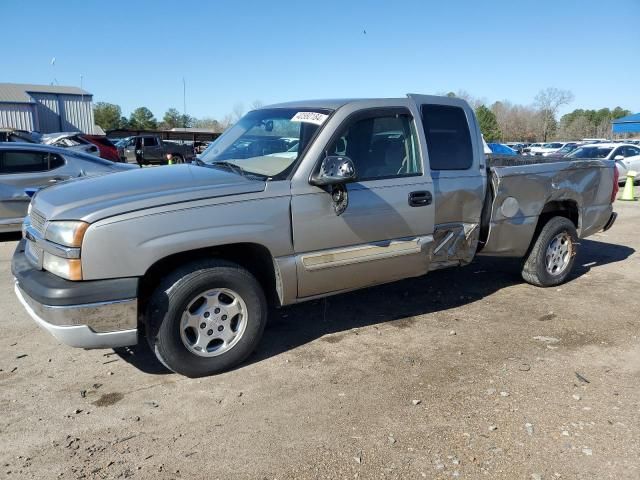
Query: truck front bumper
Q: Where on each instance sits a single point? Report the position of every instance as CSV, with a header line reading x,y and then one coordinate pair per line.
x,y
95,314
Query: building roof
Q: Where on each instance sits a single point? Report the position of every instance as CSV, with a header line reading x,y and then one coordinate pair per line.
x,y
629,118
19,92
192,130
628,124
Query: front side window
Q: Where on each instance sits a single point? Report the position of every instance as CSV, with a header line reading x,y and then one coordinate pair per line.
x,y
448,138
618,152
380,147
28,162
631,151
266,142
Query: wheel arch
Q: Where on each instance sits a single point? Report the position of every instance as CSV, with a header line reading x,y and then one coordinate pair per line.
x,y
566,208
254,257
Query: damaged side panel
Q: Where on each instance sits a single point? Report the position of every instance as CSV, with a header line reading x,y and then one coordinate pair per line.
x,y
523,192
459,202
454,244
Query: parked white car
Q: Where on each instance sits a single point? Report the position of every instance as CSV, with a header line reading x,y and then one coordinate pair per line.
x,y
626,156
549,148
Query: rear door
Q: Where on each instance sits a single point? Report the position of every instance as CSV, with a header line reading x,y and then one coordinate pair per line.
x,y
384,233
456,159
22,170
632,158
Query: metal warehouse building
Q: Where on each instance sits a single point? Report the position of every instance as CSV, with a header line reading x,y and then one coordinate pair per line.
x,y
45,108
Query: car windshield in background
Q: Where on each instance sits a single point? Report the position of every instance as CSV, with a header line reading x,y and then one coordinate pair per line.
x,y
567,149
591,152
266,142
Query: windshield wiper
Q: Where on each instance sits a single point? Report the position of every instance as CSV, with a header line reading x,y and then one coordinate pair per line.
x,y
232,166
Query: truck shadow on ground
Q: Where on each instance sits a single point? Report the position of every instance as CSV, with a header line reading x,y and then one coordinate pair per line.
x,y
10,237
396,303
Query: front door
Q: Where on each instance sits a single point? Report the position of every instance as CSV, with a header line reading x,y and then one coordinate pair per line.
x,y
385,232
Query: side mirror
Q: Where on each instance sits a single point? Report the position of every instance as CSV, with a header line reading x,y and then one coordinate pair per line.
x,y
335,170
618,157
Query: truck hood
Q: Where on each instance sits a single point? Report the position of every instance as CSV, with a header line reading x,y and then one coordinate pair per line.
x,y
92,199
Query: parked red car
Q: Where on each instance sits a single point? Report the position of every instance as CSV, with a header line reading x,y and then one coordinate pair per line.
x,y
108,150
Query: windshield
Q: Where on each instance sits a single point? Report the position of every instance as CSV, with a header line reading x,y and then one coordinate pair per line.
x,y
552,145
567,148
266,142
591,152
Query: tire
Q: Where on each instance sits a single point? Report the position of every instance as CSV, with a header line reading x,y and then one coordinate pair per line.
x,y
175,345
539,265
177,159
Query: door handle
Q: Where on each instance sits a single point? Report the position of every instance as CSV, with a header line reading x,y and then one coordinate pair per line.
x,y
420,198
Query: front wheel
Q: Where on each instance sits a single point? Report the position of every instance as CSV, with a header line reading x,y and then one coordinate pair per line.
x,y
206,318
551,259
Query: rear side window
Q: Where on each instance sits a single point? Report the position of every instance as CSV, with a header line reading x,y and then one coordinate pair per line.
x,y
150,141
28,162
448,138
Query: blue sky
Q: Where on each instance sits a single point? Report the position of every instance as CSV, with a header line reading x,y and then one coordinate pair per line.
x,y
136,53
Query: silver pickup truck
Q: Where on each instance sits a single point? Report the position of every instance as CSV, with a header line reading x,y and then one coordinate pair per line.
x,y
296,201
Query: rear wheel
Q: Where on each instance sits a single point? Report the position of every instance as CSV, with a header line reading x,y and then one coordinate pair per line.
x,y
206,318
177,159
551,259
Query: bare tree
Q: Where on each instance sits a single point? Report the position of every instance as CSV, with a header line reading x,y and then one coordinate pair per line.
x,y
208,123
518,123
238,111
227,122
256,104
463,94
549,101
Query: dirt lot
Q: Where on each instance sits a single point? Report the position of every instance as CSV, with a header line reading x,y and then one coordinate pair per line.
x,y
465,373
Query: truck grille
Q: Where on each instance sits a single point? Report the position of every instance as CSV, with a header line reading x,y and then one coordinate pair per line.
x,y
34,255
38,221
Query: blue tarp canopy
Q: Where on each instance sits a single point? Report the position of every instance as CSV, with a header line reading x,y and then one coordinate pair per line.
x,y
628,124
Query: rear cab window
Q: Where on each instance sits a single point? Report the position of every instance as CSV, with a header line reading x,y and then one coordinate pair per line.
x,y
448,137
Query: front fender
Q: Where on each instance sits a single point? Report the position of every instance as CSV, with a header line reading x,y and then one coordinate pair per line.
x,y
128,245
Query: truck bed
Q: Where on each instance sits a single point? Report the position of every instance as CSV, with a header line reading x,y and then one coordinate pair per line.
x,y
523,188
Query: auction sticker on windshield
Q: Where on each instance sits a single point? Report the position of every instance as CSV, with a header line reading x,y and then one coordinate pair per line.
x,y
310,117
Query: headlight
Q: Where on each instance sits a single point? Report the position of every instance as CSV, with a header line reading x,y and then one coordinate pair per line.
x,y
29,210
67,233
69,268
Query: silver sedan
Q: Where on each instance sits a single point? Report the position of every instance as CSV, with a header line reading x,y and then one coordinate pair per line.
x,y
25,168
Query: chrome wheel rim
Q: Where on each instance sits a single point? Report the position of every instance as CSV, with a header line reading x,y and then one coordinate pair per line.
x,y
559,253
213,322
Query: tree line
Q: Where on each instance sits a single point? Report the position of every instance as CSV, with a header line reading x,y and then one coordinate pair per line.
x,y
501,121
109,117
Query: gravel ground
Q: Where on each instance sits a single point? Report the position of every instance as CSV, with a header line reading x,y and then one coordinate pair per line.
x,y
465,373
